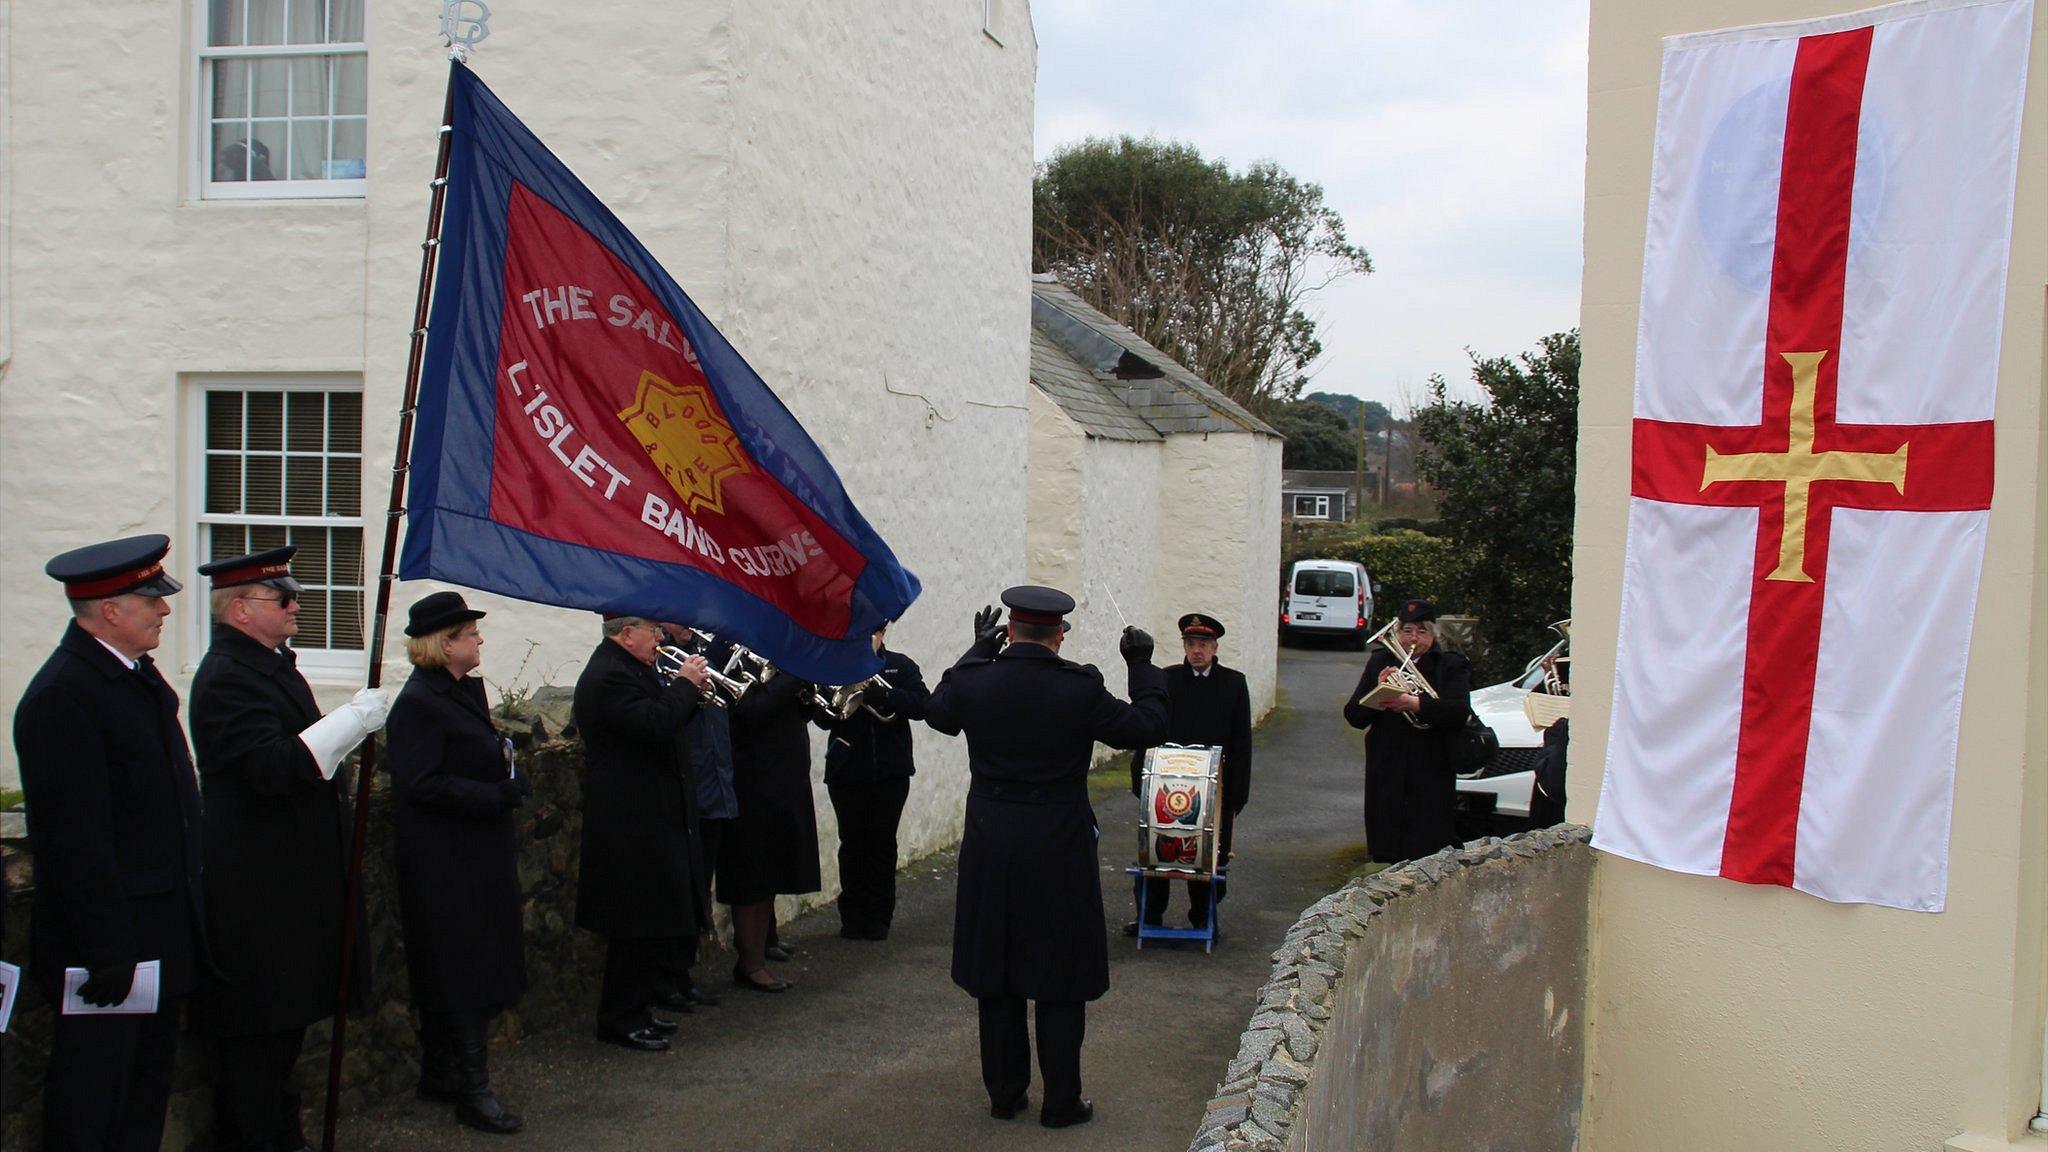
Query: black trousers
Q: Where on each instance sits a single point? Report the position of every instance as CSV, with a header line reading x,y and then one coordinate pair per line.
x,y
256,1099
632,977
109,1079
1159,890
868,815
675,966
1006,1049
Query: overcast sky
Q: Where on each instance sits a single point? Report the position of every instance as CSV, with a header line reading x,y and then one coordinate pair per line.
x,y
1450,135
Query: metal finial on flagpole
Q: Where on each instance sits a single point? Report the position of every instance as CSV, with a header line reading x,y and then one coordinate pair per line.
x,y
464,23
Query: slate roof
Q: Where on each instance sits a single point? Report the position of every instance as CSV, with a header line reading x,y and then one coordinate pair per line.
x,y
1114,384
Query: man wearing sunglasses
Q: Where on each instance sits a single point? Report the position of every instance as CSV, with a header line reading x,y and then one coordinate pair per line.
x,y
275,845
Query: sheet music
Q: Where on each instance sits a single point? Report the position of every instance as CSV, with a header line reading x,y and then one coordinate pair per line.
x,y
142,994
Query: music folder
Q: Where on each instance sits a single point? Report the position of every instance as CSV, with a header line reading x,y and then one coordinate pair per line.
x,y
142,994
1380,694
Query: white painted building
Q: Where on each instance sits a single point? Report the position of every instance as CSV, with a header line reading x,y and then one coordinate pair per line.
x,y
213,211
1151,492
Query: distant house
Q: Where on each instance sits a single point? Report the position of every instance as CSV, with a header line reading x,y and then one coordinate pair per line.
x,y
1314,495
1151,493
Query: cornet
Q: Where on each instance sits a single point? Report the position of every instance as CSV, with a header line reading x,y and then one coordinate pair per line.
x,y
1404,675
718,689
842,701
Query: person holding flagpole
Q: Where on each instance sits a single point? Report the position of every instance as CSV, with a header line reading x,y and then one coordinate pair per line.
x,y
276,846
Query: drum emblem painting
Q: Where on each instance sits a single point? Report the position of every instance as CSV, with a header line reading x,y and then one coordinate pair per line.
x,y
1178,832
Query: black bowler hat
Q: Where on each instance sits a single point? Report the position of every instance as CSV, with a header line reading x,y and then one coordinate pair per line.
x,y
1036,604
437,610
272,567
1195,626
1416,612
115,568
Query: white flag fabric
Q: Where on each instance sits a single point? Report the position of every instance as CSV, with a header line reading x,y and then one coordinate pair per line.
x,y
1823,294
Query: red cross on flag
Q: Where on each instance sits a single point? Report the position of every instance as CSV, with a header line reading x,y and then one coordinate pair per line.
x,y
1824,279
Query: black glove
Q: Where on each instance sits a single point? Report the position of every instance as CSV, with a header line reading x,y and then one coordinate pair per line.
x,y
1136,646
107,984
989,632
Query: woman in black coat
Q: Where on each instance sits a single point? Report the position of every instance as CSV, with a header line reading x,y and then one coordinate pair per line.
x,y
456,793
771,848
1411,790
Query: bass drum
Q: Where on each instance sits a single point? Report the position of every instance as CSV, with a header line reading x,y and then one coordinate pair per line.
x,y
1179,793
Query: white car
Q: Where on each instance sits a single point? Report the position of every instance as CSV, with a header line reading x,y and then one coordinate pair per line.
x,y
1327,598
1493,799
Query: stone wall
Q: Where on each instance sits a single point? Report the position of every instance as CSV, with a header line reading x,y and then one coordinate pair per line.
x,y
382,1059
1437,1004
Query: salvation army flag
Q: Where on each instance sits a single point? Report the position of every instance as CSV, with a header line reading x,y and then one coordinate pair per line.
x,y
1823,294
585,437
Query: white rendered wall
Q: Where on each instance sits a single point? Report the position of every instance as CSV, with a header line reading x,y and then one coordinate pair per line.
x,y
1219,548
843,189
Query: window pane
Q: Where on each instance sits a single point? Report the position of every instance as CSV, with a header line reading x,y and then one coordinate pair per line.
x,y
347,26
224,22
272,93
310,562
225,540
345,486
264,537
347,630
302,486
265,495
237,155
308,21
266,21
305,420
266,421
312,619
309,150
224,420
349,150
345,422
223,483
351,85
347,567
230,88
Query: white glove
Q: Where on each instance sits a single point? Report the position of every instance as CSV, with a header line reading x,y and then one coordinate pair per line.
x,y
332,737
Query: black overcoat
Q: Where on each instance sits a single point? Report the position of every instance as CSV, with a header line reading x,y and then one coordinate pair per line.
x,y
864,749
1213,711
1411,790
113,819
455,819
276,844
1028,919
771,847
643,876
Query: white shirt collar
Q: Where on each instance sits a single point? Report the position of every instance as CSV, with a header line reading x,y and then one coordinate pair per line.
x,y
118,655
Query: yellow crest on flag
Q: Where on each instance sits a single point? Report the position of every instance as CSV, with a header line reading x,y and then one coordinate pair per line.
x,y
681,431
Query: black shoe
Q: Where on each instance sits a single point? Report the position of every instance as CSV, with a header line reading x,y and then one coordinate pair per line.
x,y
1131,929
639,1039
485,1114
702,997
779,953
749,983
479,1109
1010,1111
663,1027
1068,1117
675,1002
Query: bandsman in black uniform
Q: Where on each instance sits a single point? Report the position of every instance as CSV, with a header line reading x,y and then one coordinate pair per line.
x,y
1209,705
643,885
276,846
868,766
114,825
1411,789
1029,923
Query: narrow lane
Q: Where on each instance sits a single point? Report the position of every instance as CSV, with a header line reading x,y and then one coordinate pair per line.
x,y
875,1049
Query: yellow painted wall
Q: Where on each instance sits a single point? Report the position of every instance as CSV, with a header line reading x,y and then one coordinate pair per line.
x,y
1725,1016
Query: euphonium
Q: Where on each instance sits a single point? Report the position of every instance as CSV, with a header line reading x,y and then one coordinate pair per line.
x,y
1404,674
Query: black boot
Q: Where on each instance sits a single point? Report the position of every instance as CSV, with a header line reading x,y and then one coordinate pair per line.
x,y
438,1082
476,1107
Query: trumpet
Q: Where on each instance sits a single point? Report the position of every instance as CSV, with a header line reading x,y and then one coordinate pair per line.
x,y
719,689
1404,675
842,701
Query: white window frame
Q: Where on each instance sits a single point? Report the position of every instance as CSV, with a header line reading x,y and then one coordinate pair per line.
x,y
203,186
1322,503
335,664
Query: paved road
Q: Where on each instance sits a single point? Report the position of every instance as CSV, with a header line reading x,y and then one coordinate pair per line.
x,y
875,1049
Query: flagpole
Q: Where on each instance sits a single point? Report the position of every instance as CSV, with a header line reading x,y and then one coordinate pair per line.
x,y
367,768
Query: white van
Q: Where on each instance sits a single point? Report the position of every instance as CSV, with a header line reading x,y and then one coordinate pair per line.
x,y
1327,598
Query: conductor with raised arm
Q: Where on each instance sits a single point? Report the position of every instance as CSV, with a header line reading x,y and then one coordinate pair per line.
x,y
1029,922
